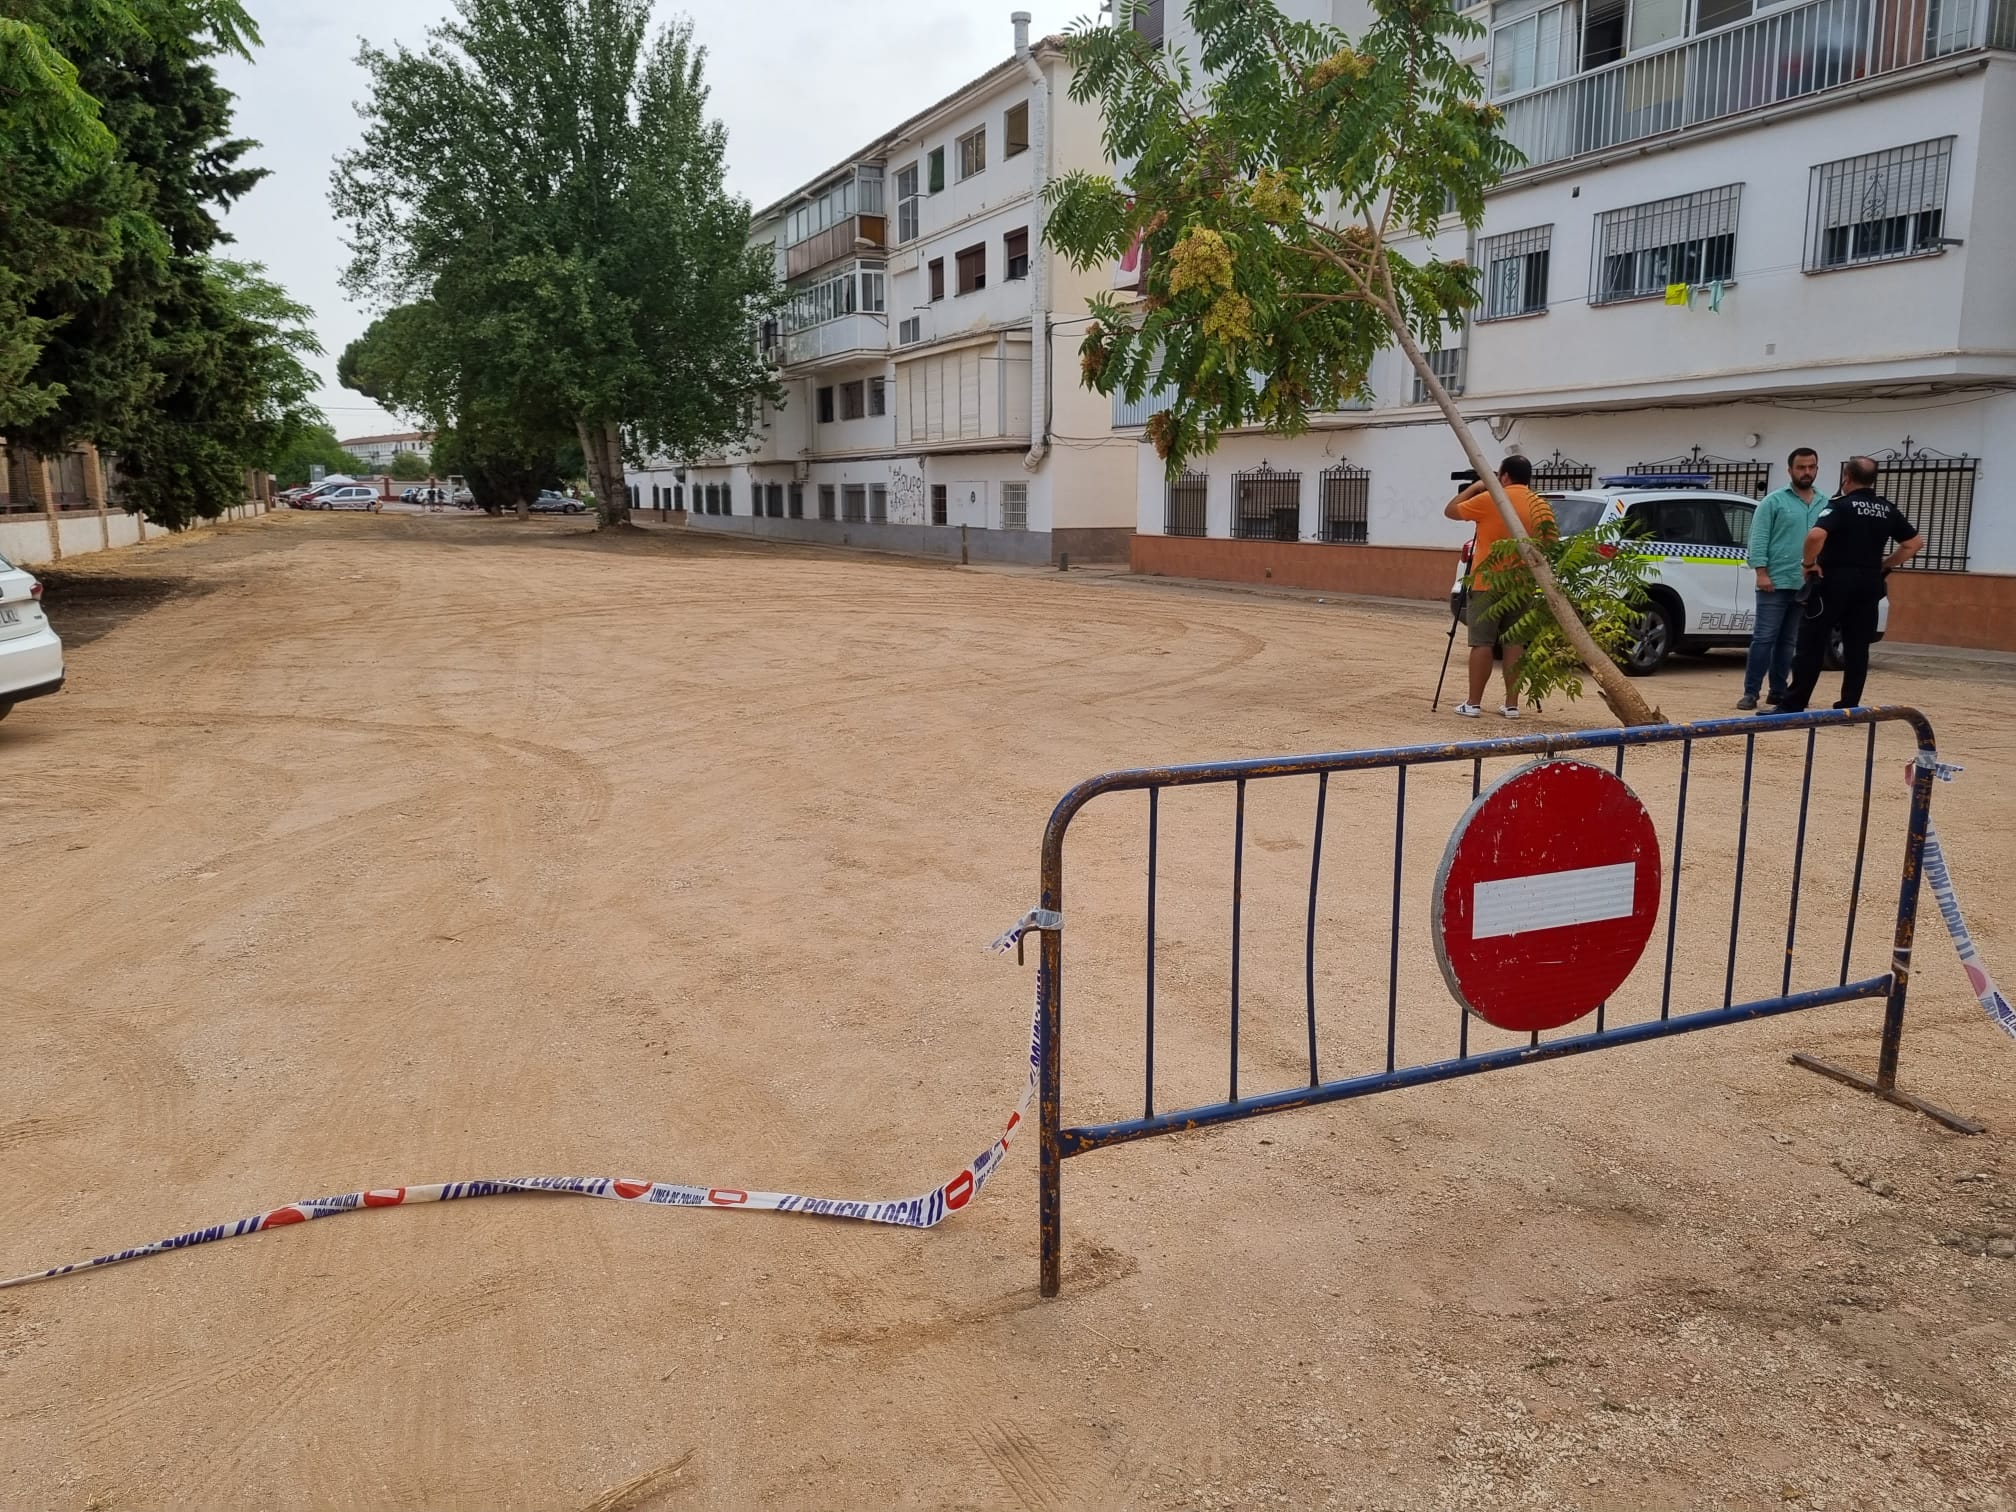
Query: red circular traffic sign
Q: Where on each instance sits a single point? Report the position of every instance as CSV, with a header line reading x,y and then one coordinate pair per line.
x,y
1546,895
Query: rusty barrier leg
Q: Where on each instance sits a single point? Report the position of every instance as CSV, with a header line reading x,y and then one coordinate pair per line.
x,y
1884,1083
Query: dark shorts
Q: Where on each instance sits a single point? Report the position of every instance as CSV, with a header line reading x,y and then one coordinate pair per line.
x,y
1480,617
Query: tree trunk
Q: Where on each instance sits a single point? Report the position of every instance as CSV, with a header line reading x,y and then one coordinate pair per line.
x,y
1618,691
616,505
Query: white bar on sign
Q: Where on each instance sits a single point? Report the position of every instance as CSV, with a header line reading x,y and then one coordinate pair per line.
x,y
1552,900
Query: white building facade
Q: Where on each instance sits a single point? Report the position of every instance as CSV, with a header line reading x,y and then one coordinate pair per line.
x,y
933,399
1826,187
378,451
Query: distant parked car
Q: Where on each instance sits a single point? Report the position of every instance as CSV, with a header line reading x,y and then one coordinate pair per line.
x,y
31,654
556,503
355,496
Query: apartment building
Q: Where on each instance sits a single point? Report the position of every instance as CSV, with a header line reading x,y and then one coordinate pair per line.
x,y
928,347
1740,228
378,451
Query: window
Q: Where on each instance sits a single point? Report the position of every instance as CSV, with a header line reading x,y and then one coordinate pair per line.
x,y
854,503
1530,45
1447,363
826,405
825,501
1711,14
1878,207
860,286
860,191
1015,248
776,501
853,400
910,332
1184,514
1727,474
728,498
1014,131
936,268
1014,506
878,396
797,503
1737,517
1603,32
679,497
1345,493
878,504
973,152
907,204
1689,239
1936,493
1147,19
973,269
713,498
936,167
1681,522
1516,267
1559,474
1267,505
938,515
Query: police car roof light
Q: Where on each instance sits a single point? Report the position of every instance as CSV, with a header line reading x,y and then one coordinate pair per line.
x,y
1659,480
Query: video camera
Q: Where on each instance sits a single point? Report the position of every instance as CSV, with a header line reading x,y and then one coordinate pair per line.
x,y
1465,475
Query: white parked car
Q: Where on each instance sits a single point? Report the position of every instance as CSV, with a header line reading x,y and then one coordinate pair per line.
x,y
31,654
1702,586
355,496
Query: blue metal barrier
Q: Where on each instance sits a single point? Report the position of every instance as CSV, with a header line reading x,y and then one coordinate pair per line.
x,y
1059,1143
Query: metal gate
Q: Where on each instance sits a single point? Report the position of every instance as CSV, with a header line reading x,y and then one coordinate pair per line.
x,y
1060,1142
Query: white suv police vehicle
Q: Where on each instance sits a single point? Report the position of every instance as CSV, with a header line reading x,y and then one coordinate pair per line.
x,y
1702,586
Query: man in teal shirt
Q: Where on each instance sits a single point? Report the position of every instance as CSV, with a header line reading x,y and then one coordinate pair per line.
x,y
1777,544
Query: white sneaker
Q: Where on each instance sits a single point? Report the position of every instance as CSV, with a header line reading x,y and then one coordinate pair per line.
x,y
1469,711
1510,711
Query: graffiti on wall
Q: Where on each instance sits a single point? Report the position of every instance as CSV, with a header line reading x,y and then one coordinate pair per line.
x,y
906,496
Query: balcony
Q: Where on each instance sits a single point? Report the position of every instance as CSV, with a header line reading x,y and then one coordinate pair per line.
x,y
1783,55
842,239
836,340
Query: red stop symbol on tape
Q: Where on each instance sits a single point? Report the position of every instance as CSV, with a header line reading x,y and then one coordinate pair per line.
x,y
1546,895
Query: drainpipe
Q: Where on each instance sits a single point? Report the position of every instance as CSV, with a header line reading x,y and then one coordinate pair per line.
x,y
1039,253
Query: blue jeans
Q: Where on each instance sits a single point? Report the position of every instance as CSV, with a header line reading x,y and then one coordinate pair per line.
x,y
1773,642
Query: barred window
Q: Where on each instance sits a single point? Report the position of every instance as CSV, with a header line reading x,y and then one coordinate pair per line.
x,y
1729,474
1561,474
1185,508
1267,505
797,501
854,503
1642,249
1346,494
1516,268
774,501
826,510
1936,493
1014,506
938,514
1877,207
1447,363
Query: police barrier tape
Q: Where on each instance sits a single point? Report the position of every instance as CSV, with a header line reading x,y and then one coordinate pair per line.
x,y
921,1212
1993,1001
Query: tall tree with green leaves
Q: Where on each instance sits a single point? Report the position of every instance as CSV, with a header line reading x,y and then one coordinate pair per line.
x,y
1269,193
131,332
544,175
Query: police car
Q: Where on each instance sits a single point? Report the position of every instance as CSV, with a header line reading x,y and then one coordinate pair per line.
x,y
1702,587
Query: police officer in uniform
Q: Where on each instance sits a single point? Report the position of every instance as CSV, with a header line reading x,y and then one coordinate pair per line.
x,y
1847,556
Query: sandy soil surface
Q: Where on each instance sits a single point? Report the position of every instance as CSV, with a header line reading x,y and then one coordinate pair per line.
x,y
371,850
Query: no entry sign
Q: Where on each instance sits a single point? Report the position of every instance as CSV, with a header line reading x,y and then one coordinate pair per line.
x,y
1546,895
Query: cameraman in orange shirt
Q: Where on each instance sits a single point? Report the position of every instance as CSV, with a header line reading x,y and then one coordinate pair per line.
x,y
1480,616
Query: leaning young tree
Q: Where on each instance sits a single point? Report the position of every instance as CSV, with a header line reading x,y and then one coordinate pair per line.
x,y
544,175
1268,196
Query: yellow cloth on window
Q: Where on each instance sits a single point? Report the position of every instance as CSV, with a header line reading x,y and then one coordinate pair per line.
x,y
1676,294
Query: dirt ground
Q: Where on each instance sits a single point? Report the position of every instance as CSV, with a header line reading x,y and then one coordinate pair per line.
x,y
368,851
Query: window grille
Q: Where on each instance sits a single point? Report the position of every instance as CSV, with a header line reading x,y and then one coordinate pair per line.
x,y
1447,363
1559,474
1346,493
1642,249
797,502
1936,493
878,504
775,501
1516,268
1185,509
937,503
826,510
1014,506
1878,207
854,503
1267,505
1730,474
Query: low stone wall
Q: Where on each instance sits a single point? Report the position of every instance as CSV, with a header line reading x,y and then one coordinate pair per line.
x,y
31,540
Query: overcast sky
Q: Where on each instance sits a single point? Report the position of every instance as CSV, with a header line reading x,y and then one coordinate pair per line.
x,y
799,83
